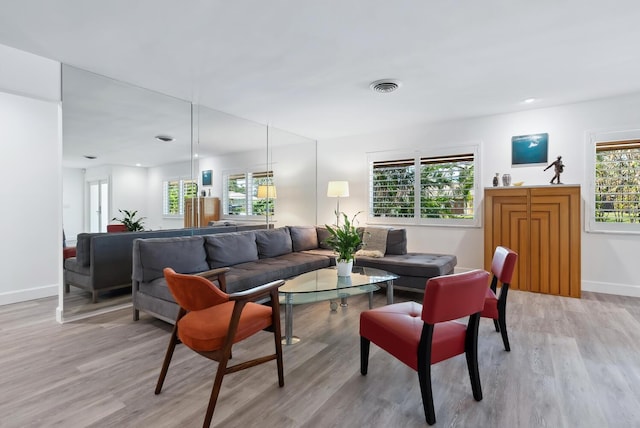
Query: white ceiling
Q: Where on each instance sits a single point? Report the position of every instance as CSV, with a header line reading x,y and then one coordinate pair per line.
x,y
306,66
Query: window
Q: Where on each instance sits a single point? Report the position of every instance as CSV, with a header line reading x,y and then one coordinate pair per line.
x,y
441,192
617,182
241,194
174,193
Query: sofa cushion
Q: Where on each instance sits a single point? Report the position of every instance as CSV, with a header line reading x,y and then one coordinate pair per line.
x,y
303,237
397,241
421,265
323,235
83,247
273,242
228,249
185,254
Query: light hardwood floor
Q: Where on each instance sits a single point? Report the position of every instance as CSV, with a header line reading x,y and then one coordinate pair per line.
x,y
574,363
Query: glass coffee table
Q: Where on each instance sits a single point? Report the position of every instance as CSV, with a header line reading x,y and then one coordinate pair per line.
x,y
325,284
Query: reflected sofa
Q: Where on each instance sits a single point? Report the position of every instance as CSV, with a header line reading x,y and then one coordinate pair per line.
x,y
260,256
103,260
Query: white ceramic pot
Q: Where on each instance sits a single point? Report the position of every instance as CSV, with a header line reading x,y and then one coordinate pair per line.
x,y
344,268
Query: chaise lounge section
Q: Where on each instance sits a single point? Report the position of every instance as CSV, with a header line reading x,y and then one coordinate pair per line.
x,y
260,256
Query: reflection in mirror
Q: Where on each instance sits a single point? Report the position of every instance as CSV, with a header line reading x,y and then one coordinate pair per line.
x,y
259,173
113,161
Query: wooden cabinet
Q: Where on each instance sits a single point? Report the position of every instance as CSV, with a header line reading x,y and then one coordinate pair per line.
x,y
542,224
198,212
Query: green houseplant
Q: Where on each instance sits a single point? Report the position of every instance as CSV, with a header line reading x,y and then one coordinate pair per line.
x,y
130,221
344,240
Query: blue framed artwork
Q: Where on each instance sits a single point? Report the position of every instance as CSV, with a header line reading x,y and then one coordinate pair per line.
x,y
206,177
529,149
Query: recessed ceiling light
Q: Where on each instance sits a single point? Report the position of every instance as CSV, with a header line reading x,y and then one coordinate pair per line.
x,y
385,86
528,100
90,157
138,164
164,138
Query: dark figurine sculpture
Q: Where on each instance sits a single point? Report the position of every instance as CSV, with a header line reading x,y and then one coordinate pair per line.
x,y
558,168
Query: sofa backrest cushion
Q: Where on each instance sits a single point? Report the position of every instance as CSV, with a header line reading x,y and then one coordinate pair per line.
x,y
228,249
83,248
397,241
303,238
185,254
323,235
273,242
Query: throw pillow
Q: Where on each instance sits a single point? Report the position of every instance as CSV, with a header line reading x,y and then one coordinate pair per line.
x,y
374,242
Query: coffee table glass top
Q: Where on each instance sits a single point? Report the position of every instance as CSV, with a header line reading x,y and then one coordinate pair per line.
x,y
325,284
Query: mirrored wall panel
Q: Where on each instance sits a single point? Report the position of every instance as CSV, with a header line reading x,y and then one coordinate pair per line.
x,y
137,159
123,146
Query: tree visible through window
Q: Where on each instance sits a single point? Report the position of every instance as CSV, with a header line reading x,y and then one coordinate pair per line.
x,y
443,188
174,194
617,182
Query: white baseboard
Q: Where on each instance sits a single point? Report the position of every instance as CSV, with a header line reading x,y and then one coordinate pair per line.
x,y
596,287
17,296
610,288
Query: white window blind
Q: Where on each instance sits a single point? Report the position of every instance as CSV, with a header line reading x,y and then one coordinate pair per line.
x,y
617,182
174,192
240,196
443,189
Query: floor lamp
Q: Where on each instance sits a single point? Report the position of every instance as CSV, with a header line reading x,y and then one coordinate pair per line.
x,y
268,192
338,189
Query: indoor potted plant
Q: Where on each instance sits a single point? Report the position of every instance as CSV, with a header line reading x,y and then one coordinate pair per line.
x,y
344,240
130,221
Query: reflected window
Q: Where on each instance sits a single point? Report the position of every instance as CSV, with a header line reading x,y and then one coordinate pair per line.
x,y
174,192
241,195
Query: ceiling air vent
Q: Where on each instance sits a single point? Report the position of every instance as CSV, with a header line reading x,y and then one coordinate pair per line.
x,y
385,85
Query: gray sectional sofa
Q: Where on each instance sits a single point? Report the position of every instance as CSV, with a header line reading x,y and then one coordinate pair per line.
x,y
103,260
260,256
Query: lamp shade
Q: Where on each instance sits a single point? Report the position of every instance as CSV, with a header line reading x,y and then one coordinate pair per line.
x,y
338,189
267,191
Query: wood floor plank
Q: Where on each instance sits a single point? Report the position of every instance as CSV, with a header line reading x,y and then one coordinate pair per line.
x,y
574,362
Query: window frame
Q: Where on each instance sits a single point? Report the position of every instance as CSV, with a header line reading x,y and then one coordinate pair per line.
x,y
418,156
181,195
250,175
591,225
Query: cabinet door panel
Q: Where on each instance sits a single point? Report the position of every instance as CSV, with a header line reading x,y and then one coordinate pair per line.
x,y
542,224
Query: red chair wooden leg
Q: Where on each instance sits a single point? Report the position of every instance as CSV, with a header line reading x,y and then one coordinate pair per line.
x,y
167,358
215,390
503,331
471,352
365,344
424,373
496,325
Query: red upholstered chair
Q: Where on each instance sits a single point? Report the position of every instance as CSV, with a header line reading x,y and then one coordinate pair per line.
x,y
210,321
495,307
422,335
116,228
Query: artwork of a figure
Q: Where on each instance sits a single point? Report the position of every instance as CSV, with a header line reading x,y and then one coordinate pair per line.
x,y
558,167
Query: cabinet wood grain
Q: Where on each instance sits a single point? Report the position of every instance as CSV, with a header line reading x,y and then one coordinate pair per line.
x,y
542,224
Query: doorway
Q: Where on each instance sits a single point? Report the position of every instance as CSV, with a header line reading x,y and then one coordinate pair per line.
x,y
98,205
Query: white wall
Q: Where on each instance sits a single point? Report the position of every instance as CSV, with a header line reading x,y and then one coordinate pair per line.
x,y
294,171
155,177
31,213
129,191
609,262
72,203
